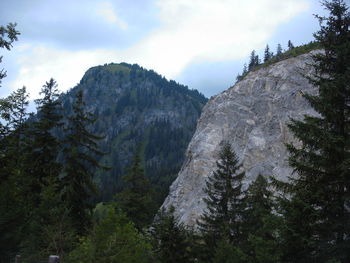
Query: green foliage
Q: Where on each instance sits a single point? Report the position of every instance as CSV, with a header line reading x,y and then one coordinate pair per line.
x,y
79,160
136,199
226,252
113,240
8,35
222,218
320,192
260,224
171,239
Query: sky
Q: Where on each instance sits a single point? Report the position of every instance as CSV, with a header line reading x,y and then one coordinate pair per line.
x,y
199,43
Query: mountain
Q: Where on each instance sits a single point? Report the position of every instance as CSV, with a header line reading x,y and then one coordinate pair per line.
x,y
138,108
252,116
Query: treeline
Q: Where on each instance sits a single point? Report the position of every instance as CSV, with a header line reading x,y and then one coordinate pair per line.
x,y
255,62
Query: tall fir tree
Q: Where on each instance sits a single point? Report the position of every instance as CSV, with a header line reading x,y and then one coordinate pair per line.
x,y
42,169
267,54
136,198
260,224
320,192
80,154
223,215
12,205
290,45
279,50
170,238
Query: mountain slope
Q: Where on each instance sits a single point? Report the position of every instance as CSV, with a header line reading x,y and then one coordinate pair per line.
x,y
138,108
253,117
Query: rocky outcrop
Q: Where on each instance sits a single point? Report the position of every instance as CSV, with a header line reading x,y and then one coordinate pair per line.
x,y
253,117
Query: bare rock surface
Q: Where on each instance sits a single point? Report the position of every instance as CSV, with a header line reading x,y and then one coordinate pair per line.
x,y
253,117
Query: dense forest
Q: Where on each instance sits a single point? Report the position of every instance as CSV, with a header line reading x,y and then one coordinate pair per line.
x,y
49,162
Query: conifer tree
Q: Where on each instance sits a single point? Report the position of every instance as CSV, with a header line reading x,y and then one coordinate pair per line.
x,y
41,161
279,50
170,238
42,169
80,155
260,224
222,218
252,61
320,192
290,45
136,198
267,54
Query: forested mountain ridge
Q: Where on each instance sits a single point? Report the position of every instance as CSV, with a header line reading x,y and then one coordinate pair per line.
x,y
134,108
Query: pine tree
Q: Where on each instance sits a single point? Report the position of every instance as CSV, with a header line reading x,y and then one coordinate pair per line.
x,y
41,168
260,224
222,218
320,192
136,198
267,54
252,61
12,204
290,45
170,238
79,160
279,51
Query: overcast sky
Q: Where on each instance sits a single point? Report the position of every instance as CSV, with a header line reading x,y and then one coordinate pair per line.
x,y
199,43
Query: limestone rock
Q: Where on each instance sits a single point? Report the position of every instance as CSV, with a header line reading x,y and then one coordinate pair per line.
x,y
253,117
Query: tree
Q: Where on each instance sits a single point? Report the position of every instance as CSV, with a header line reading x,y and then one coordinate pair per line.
x,y
135,200
12,204
320,191
8,35
267,54
253,61
113,239
171,239
260,224
41,169
79,160
279,50
290,45
223,215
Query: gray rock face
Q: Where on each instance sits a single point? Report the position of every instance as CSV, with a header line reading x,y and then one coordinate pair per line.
x,y
253,117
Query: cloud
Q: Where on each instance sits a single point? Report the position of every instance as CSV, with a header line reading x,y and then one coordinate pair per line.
x,y
39,63
107,12
188,33
211,30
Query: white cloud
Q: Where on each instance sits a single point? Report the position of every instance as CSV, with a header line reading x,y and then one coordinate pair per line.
x,y
211,30
39,64
107,12
190,31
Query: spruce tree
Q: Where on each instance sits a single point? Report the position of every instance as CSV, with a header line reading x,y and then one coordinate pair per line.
x,y
290,45
80,156
279,51
136,198
320,191
223,215
252,61
267,54
260,224
41,169
170,238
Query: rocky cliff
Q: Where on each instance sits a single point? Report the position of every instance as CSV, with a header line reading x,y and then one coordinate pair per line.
x,y
253,117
